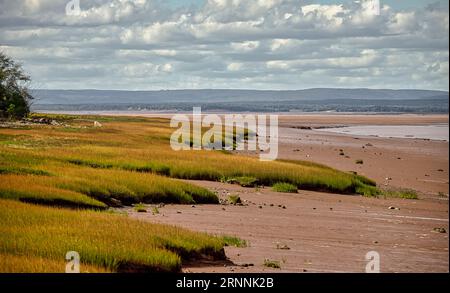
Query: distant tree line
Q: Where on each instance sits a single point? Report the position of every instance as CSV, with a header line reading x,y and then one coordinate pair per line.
x,y
14,94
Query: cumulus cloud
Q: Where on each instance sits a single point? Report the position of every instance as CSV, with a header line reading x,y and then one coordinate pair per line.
x,y
281,44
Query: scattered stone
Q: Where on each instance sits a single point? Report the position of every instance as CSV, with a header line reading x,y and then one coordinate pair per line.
x,y
283,246
245,265
115,203
375,242
331,209
192,206
271,204
260,207
97,124
393,208
369,144
223,209
439,230
178,212
284,207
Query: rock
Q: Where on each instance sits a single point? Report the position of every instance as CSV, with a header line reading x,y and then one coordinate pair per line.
x,y
393,208
439,230
375,242
283,246
178,212
115,203
97,124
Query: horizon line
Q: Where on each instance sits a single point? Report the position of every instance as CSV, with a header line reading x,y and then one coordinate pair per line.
x,y
239,89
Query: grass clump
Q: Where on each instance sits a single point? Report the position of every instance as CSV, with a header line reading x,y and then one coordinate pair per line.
x,y
284,187
244,181
106,241
155,210
371,191
400,193
234,241
272,264
140,208
234,199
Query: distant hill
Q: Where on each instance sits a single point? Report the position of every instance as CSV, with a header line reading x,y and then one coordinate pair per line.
x,y
320,99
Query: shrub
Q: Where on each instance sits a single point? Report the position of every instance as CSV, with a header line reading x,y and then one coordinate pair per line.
x,y
284,187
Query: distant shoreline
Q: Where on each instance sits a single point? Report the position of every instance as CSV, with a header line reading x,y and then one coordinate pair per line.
x,y
149,113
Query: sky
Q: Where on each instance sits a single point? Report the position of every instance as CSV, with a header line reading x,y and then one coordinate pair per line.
x,y
229,44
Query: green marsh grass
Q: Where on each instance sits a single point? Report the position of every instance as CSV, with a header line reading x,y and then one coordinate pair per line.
x,y
284,187
106,241
130,160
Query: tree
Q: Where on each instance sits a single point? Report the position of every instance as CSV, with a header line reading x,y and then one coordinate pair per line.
x,y
14,95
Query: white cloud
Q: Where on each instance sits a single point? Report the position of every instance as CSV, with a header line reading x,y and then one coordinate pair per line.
x,y
226,43
234,66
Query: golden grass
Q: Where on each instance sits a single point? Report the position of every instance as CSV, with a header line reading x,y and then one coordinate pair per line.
x,y
129,159
10,263
104,241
